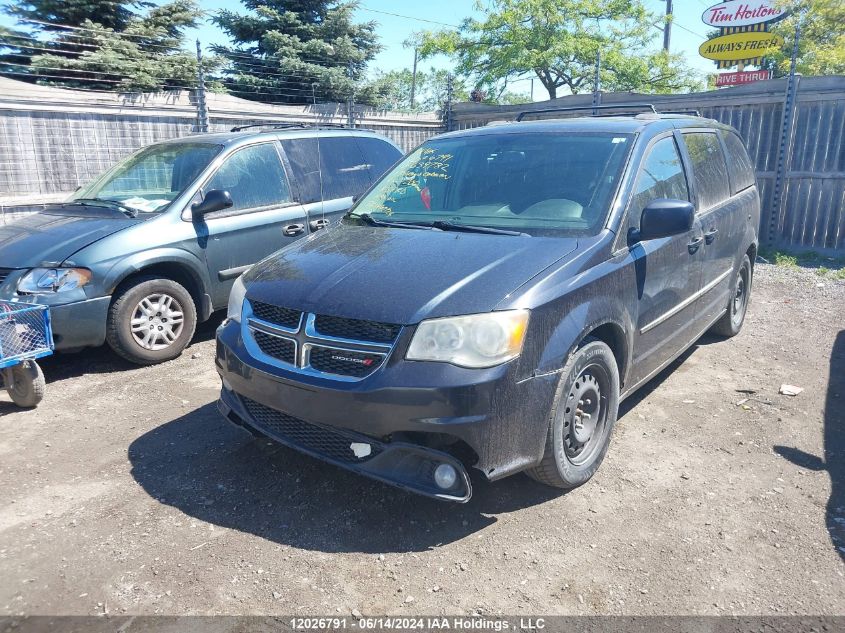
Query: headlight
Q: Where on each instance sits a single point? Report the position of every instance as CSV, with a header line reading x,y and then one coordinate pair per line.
x,y
478,340
49,280
236,300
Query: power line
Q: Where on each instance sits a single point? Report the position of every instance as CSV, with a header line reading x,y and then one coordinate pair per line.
x,y
408,17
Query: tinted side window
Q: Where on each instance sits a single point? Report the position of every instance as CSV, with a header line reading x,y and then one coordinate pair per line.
x,y
742,171
345,171
254,177
709,171
302,156
661,176
379,154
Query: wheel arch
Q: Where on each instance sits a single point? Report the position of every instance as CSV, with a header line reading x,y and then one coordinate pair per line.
x,y
169,267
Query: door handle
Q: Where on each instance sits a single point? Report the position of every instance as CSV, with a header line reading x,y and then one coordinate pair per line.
x,y
293,229
710,236
693,246
316,225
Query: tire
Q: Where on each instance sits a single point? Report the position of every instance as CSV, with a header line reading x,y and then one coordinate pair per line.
x,y
590,371
731,322
152,307
25,384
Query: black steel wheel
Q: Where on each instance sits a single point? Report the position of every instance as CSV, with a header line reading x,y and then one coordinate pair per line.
x,y
582,419
731,322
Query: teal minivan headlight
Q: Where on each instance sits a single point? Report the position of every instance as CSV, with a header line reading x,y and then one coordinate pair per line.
x,y
52,280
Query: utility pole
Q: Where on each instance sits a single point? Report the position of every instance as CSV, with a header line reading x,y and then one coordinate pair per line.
x,y
414,80
350,105
449,102
202,110
667,27
597,83
532,90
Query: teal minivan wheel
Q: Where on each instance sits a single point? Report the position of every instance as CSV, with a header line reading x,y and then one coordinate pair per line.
x,y
151,320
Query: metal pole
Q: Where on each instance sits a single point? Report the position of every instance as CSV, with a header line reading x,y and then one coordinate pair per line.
x,y
449,102
414,81
202,110
667,27
786,136
597,83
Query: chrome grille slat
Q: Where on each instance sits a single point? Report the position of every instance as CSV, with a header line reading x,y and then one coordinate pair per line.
x,y
293,340
4,273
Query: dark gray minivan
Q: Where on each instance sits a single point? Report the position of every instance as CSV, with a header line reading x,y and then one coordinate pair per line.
x,y
140,255
494,297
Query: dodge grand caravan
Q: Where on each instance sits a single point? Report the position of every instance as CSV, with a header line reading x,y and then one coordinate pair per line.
x,y
140,255
492,299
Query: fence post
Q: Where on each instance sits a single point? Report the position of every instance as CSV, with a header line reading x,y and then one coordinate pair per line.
x,y
202,110
787,140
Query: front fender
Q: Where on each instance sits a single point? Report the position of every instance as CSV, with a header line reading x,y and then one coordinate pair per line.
x,y
123,268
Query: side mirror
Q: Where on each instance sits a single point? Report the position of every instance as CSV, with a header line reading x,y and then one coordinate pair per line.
x,y
214,200
665,217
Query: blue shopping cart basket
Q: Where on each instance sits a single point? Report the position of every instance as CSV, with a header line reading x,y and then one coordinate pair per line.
x,y
25,335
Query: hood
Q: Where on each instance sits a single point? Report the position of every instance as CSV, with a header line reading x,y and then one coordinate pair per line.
x,y
401,275
54,233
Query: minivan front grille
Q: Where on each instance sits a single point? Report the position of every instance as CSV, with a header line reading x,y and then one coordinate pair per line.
x,y
283,349
326,346
344,362
356,329
285,317
317,439
4,273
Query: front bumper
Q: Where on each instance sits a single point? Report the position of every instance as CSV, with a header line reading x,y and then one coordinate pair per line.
x,y
405,410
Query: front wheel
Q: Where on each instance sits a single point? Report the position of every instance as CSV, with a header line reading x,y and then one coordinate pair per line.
x,y
731,322
151,321
582,419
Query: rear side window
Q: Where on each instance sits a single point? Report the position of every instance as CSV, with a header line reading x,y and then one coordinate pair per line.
x,y
254,177
661,176
345,170
709,171
742,171
380,155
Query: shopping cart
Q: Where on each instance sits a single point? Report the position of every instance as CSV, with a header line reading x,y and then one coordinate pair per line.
x,y
25,335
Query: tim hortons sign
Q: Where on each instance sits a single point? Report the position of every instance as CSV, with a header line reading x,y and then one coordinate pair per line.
x,y
742,13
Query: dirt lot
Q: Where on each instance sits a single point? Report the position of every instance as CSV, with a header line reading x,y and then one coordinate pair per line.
x,y
125,492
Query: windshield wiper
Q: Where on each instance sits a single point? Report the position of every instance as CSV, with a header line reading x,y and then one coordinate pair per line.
x,y
445,225
104,202
368,219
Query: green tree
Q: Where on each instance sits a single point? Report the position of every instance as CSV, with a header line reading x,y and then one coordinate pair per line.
x,y
290,51
557,41
46,15
821,49
139,52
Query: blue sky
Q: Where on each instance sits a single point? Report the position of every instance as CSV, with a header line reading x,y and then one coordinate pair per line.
x,y
687,33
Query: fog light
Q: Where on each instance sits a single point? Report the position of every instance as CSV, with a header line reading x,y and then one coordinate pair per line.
x,y
445,476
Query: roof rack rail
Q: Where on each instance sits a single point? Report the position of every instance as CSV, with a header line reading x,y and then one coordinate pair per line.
x,y
689,112
617,106
275,126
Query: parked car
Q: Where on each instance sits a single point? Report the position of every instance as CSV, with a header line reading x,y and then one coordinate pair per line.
x,y
494,297
153,246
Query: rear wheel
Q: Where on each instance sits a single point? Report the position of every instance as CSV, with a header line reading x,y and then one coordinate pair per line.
x,y
582,419
151,321
731,322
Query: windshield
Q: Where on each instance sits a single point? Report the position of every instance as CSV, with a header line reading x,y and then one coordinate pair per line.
x,y
150,179
548,184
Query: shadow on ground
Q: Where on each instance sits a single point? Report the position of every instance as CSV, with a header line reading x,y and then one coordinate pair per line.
x,y
833,460
102,360
213,471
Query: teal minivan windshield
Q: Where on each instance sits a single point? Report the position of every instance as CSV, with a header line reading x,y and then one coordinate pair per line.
x,y
149,180
541,183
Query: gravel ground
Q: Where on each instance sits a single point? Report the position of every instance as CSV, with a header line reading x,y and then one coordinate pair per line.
x,y
125,492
